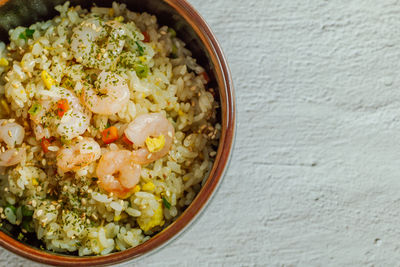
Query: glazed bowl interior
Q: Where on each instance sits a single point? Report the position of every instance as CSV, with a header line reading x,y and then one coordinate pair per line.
x,y
192,29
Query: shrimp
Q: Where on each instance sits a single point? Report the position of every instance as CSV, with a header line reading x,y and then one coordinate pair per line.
x,y
12,134
111,96
98,44
147,126
79,154
118,173
12,156
74,121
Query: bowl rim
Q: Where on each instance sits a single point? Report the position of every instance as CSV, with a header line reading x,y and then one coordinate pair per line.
x,y
225,84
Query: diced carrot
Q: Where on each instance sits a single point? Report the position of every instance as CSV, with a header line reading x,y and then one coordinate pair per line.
x,y
109,135
62,107
146,37
126,140
45,143
205,76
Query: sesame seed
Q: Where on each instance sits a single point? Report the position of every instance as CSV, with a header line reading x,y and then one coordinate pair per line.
x,y
9,133
6,78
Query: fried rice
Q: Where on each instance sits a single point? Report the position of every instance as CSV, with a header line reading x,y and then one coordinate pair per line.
x,y
46,72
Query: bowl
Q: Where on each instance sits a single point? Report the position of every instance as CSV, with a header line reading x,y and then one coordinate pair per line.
x,y
195,32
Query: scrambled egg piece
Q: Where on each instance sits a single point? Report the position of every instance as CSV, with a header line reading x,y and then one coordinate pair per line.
x,y
155,144
3,62
47,79
149,187
136,188
157,219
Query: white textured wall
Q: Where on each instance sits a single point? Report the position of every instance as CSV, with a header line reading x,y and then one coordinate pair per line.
x,y
315,177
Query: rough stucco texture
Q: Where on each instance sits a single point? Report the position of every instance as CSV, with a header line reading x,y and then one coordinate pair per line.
x,y
315,175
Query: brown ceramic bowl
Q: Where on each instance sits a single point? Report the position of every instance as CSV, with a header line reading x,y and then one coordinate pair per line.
x,y
195,32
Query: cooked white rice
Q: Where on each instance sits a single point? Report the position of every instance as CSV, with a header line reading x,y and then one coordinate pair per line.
x,y
70,212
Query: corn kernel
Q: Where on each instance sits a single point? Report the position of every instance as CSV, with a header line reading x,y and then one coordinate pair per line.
x,y
155,144
149,187
35,182
47,79
3,62
180,112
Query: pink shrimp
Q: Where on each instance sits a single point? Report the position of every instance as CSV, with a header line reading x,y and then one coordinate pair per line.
x,y
147,126
118,173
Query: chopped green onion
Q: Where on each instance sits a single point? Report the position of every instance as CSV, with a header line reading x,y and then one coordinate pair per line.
x,y
108,125
172,32
140,48
141,69
35,108
174,52
26,212
10,211
20,236
166,203
14,209
65,141
27,225
27,34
